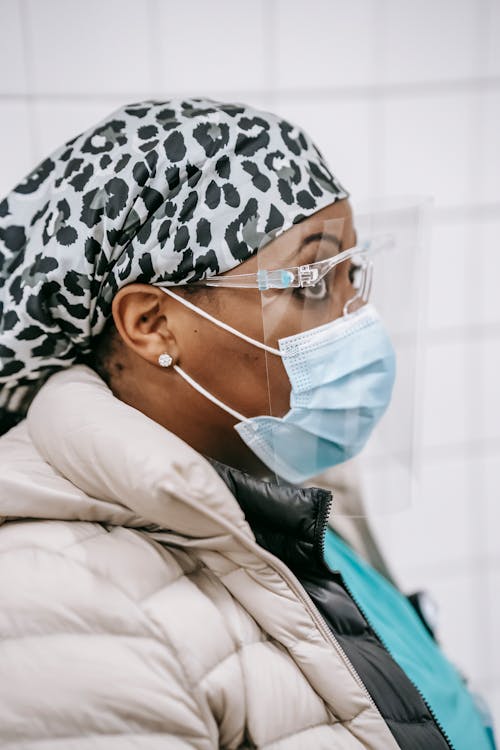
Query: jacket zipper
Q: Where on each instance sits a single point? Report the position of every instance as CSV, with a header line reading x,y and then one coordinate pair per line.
x,y
322,623
316,615
284,571
324,519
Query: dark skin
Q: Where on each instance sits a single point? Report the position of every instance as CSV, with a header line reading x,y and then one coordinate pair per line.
x,y
150,322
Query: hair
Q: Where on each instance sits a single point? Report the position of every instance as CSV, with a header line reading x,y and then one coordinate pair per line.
x,y
102,357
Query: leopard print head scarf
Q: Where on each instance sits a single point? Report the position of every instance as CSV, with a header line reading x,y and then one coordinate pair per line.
x,y
158,191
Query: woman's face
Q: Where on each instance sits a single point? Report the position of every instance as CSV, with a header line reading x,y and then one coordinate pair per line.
x,y
242,376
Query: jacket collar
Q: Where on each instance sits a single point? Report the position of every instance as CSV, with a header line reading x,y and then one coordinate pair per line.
x,y
108,462
288,521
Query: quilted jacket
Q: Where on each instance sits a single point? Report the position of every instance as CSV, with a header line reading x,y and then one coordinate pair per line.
x,y
141,609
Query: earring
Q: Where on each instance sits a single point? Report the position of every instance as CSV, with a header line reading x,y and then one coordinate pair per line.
x,y
165,360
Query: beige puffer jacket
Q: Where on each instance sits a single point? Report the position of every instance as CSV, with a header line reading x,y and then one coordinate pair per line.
x,y
137,609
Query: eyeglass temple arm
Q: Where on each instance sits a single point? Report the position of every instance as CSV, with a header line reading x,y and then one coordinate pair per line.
x,y
282,278
297,276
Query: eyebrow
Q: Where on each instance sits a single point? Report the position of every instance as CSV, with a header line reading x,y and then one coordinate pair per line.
x,y
315,237
320,236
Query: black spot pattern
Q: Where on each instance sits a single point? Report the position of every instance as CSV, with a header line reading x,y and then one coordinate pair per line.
x,y
175,148
162,192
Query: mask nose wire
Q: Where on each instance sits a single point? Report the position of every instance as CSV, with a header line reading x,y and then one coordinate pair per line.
x,y
193,383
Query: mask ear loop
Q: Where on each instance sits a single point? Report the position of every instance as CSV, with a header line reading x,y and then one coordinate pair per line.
x,y
208,395
219,323
193,383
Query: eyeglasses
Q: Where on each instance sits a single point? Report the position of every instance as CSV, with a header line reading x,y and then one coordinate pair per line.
x,y
311,274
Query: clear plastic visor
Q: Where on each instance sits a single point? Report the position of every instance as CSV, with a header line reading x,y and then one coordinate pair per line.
x,y
342,301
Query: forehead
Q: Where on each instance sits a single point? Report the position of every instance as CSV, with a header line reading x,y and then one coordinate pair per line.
x,y
335,220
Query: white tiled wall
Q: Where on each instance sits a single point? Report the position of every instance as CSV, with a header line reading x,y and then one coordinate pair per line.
x,y
401,97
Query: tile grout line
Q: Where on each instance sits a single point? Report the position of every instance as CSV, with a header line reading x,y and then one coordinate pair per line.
x,y
269,19
404,90
156,71
378,111
475,418
30,98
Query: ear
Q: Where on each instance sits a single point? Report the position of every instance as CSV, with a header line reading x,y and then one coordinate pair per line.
x,y
140,315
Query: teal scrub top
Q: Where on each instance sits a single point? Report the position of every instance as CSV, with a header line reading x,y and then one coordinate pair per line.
x,y
411,646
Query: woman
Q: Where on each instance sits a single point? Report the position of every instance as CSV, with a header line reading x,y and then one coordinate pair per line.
x,y
161,585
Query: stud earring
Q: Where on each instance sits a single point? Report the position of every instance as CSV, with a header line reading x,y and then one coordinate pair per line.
x,y
165,360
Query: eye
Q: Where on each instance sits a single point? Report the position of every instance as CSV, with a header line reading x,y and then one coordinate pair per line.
x,y
318,292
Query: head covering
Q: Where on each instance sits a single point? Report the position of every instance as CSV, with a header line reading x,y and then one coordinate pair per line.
x,y
158,191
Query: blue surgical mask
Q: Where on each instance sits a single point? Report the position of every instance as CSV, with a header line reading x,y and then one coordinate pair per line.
x,y
341,375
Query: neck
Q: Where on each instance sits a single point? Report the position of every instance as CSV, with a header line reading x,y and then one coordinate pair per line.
x,y
174,404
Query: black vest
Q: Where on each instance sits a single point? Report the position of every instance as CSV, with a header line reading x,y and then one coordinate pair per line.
x,y
290,522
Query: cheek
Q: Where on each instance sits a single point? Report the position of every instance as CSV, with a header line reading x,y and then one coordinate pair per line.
x,y
278,386
231,369
267,387
238,373
253,381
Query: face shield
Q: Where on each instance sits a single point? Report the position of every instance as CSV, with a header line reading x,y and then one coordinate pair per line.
x,y
389,465
347,319
341,334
